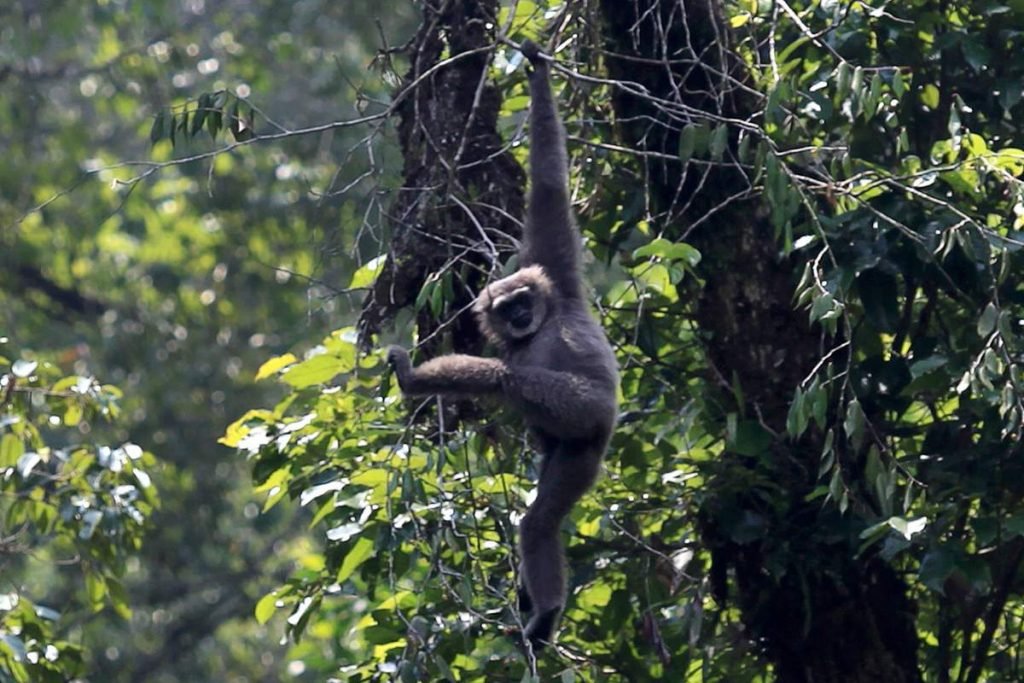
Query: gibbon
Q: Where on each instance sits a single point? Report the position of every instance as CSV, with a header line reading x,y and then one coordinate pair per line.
x,y
556,366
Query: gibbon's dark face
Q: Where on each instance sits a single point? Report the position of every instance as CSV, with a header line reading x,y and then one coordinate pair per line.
x,y
519,313
516,309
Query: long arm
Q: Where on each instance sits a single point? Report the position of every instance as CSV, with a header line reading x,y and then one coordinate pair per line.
x,y
453,375
557,402
551,240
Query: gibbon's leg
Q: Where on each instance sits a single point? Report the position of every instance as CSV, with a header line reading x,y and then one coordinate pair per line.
x,y
453,374
566,475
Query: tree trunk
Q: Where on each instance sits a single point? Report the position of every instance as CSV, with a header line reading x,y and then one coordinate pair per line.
x,y
458,183
819,612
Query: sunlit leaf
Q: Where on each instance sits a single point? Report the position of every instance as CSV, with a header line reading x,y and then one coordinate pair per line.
x,y
361,551
274,364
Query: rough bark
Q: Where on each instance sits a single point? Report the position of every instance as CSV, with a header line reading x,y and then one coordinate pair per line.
x,y
818,612
462,194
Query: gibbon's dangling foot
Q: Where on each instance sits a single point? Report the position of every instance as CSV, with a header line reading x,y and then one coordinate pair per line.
x,y
556,366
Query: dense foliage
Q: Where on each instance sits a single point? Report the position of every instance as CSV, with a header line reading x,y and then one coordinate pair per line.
x,y
70,504
806,223
175,279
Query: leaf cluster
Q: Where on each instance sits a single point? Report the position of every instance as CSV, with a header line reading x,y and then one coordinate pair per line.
x,y
62,496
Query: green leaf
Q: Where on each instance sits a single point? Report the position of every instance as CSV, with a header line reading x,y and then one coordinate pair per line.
x,y
719,141
11,448
853,425
200,114
156,132
265,607
818,398
235,120
857,83
687,142
823,304
743,149
975,54
899,86
214,119
874,533
987,321
835,485
930,96
118,598
926,365
274,364
670,251
796,419
360,552
367,274
874,93
380,635
95,589
72,414
595,596
843,73
171,128
315,370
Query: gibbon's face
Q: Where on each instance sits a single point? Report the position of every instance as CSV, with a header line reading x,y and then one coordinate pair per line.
x,y
515,307
519,313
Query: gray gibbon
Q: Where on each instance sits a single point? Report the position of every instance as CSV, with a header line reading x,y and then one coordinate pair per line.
x,y
556,366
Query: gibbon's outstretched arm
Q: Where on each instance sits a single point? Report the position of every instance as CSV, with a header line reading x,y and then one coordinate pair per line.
x,y
551,238
452,375
555,401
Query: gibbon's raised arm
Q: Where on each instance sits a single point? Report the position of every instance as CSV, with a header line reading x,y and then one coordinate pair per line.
x,y
551,238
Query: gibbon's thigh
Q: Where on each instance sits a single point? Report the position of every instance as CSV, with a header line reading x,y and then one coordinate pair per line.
x,y
567,472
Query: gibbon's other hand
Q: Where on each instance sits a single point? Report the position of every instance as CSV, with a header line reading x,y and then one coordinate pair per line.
x,y
532,52
398,359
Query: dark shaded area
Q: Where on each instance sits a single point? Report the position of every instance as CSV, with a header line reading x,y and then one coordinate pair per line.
x,y
64,299
818,612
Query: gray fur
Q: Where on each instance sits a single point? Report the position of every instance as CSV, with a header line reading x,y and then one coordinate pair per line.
x,y
556,367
